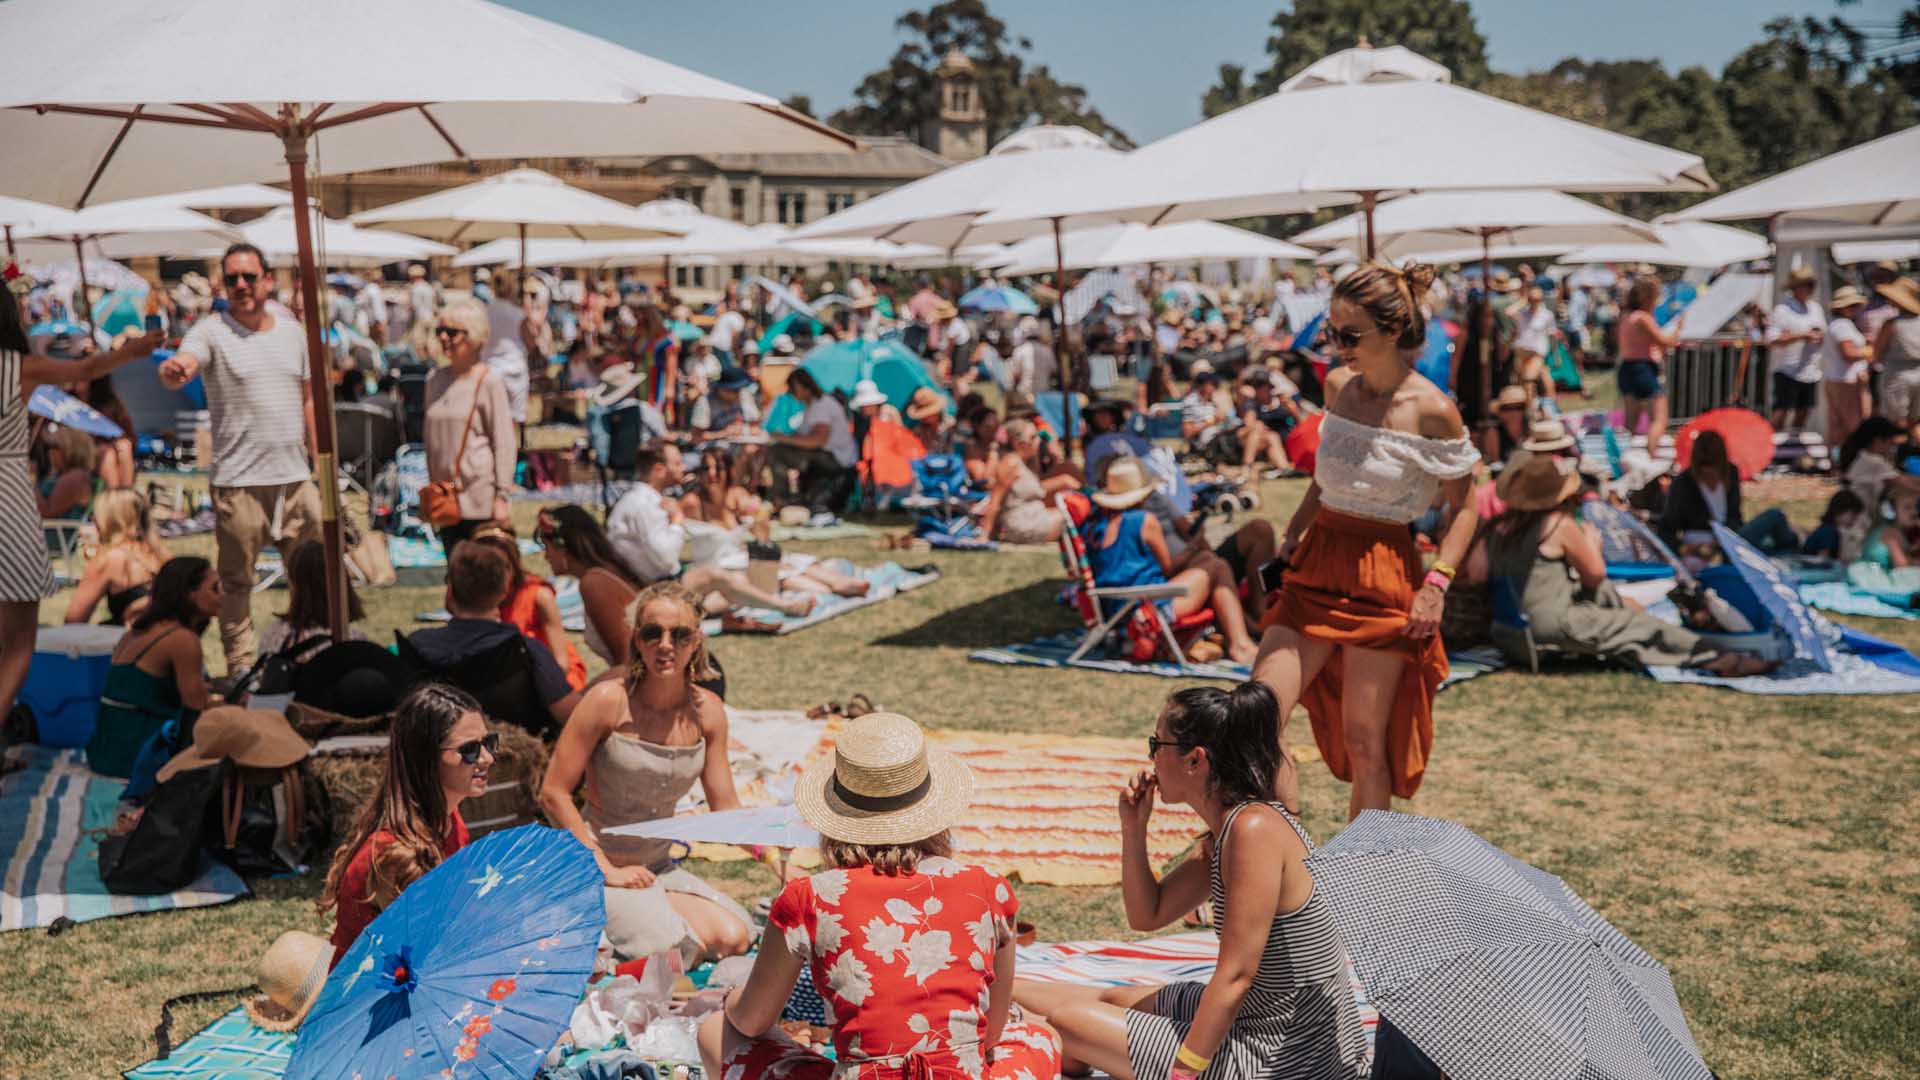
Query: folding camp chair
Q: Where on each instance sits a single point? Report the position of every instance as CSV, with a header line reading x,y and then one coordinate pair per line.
x,y
1103,608
1510,616
944,494
65,539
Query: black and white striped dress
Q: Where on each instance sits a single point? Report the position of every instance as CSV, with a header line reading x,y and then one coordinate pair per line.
x,y
1299,1019
25,573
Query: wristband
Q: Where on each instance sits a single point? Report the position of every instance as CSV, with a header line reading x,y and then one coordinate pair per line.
x,y
1445,568
1191,1060
1438,580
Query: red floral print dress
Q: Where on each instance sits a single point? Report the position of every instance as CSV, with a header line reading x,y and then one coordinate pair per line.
x,y
905,965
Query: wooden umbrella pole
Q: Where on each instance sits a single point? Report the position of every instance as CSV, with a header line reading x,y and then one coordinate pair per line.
x,y
1367,200
523,260
326,470
10,249
1485,330
86,301
1061,352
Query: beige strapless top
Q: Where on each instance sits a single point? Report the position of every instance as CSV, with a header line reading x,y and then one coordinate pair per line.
x,y
630,780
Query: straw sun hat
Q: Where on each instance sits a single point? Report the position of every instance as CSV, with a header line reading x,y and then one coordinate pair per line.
x,y
1847,296
883,784
925,404
251,738
290,977
1537,481
1901,293
1127,485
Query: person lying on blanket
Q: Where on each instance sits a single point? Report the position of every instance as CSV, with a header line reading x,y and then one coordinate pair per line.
x,y
1279,1003
440,755
912,950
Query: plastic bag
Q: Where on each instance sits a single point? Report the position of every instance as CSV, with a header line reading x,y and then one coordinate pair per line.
x,y
668,1038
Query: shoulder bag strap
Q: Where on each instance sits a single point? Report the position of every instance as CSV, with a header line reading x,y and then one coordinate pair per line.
x,y
466,431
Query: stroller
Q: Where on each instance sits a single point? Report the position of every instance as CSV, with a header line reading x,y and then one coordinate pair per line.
x,y
945,494
395,503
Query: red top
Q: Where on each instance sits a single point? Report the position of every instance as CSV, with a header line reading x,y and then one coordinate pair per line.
x,y
355,906
520,610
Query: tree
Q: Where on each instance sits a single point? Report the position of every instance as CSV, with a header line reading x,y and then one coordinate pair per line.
x,y
1440,30
800,103
901,97
1806,90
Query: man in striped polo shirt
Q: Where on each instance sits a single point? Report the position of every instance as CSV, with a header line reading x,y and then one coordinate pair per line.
x,y
253,360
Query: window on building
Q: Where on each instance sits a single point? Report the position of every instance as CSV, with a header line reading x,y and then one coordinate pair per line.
x,y
793,208
838,201
962,97
685,193
739,203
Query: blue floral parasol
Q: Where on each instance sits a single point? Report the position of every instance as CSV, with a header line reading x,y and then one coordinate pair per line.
x,y
473,972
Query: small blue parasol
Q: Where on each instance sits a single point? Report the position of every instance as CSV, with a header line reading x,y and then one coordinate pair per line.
x,y
64,409
1778,594
473,971
999,298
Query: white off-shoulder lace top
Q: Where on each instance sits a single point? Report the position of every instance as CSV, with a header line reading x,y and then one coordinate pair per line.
x,y
1386,475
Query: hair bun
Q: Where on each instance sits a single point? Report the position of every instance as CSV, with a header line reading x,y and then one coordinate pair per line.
x,y
1419,277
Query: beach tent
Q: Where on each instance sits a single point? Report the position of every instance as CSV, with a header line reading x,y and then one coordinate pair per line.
x,y
894,369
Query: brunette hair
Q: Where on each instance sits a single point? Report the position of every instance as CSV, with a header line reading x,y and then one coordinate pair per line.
x,y
501,539
307,589
1391,298
1710,450
804,379
699,667
410,804
478,576
170,597
13,330
1870,431
892,860
573,530
1641,294
1239,730
1844,502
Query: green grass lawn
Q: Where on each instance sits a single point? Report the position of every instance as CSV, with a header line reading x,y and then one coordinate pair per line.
x,y
1766,849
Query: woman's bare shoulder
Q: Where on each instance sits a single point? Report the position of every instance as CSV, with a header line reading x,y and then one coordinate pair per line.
x,y
1439,417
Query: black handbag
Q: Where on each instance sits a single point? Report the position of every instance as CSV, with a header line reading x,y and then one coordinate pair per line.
x,y
274,673
163,851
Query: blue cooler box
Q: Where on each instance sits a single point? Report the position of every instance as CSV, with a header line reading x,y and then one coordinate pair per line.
x,y
68,675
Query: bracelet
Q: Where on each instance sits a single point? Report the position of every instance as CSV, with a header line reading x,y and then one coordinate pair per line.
x,y
1438,580
1191,1060
1445,568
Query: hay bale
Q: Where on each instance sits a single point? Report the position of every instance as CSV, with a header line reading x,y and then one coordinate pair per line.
x,y
512,796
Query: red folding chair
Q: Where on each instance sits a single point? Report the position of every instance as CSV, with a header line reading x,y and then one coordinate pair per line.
x,y
1089,597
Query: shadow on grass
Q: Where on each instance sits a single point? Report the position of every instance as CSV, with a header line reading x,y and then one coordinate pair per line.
x,y
1002,619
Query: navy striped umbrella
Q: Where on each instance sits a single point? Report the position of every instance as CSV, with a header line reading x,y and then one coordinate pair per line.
x,y
1495,968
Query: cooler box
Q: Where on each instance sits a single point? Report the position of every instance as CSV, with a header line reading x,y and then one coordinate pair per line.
x,y
66,679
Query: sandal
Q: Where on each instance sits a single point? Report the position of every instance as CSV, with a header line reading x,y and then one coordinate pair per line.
x,y
860,705
732,623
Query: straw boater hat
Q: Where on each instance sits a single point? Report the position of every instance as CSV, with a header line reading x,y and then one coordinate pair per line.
x,y
1847,296
1801,275
1511,397
866,392
1127,485
1547,436
883,784
290,977
251,738
945,310
925,404
617,383
1537,481
1901,293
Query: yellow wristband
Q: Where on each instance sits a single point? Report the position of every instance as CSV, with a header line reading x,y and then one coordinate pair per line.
x,y
1191,1060
1444,570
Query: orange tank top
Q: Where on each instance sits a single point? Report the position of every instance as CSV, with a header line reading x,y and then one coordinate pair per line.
x,y
521,610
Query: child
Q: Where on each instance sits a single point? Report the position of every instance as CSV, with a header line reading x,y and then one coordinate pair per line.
x,y
1841,528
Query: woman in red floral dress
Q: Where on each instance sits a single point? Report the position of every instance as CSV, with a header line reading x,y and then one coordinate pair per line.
x,y
911,950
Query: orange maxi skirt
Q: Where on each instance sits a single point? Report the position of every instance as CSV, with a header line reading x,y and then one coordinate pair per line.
x,y
1352,584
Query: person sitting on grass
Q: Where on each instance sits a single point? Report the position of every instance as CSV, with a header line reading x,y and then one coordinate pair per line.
x,y
440,754
1279,1002
1126,546
1708,493
1896,544
911,949
306,614
157,672
530,606
1842,528
1267,413
123,564
814,465
1019,506
66,488
478,581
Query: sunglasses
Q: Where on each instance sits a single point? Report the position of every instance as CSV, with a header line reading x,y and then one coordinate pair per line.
x,y
1346,339
682,635
235,279
449,332
1154,744
470,751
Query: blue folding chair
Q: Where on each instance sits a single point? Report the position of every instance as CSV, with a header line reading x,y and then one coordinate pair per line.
x,y
1511,616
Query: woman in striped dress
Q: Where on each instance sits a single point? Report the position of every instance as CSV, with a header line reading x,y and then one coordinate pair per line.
x,y
26,577
1279,1005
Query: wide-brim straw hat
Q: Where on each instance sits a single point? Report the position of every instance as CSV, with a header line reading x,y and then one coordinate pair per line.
x,y
1537,481
1547,436
1511,397
290,975
1847,296
1127,485
1902,293
1801,275
925,404
252,738
617,383
883,784
945,310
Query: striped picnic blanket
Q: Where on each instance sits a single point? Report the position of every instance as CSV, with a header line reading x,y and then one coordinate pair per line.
x,y
230,1048
51,863
1052,652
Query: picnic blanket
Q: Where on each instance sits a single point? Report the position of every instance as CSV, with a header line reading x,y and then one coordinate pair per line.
x,y
51,867
1842,598
230,1048
1052,652
416,553
1862,664
885,582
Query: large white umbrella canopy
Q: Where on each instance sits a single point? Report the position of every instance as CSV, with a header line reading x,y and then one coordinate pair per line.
x,y
1355,126
1681,243
339,243
205,92
136,229
225,197
1134,244
1867,251
858,250
519,203
26,214
545,252
1875,183
1439,221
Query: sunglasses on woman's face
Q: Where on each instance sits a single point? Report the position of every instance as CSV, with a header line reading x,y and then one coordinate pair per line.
x,y
682,636
1155,744
469,751
449,332
1344,338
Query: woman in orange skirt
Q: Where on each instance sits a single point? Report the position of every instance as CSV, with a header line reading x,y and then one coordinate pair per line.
x,y
1354,633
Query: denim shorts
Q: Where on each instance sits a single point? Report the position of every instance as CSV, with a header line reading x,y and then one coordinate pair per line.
x,y
1640,379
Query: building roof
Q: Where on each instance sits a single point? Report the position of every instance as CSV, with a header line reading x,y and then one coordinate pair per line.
x,y
884,156
955,63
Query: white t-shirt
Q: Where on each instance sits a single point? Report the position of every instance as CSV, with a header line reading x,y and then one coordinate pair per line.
x,y
726,326
1531,329
1799,360
826,410
644,536
255,382
506,353
1838,368
1716,500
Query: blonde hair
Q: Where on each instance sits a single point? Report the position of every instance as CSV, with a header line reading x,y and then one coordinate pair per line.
x,y
699,667
76,445
121,514
470,315
1019,430
891,860
1391,298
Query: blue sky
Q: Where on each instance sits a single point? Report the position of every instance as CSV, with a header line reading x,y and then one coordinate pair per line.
x,y
1145,63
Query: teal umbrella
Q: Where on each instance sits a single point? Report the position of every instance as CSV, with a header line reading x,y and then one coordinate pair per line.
x,y
895,370
121,309
685,331
785,325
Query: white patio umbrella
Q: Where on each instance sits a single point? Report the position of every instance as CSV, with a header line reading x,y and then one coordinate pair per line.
x,y
507,251
1355,126
860,250
339,243
1875,183
1134,244
131,230
225,197
27,214
205,92
1680,243
1867,251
